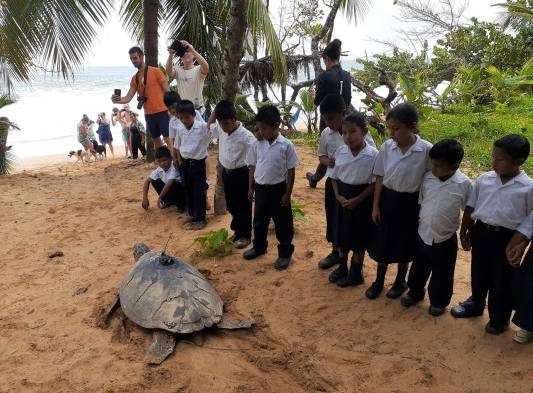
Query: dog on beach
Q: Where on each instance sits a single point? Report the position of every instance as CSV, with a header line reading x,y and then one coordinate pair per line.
x,y
81,155
100,150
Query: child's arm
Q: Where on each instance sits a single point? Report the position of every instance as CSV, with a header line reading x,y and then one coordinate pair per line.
x,y
251,172
326,161
339,197
165,190
466,228
286,198
146,186
515,248
378,189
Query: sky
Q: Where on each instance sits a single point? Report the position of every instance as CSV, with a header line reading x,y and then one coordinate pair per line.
x,y
112,44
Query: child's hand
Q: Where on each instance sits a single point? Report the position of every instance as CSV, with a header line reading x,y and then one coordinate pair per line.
x,y
350,203
331,162
285,200
376,216
515,252
251,195
465,239
342,200
145,204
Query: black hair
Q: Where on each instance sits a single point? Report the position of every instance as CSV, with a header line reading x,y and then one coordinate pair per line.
x,y
359,119
448,150
333,50
162,152
171,98
225,110
515,145
332,103
186,106
268,114
136,49
405,113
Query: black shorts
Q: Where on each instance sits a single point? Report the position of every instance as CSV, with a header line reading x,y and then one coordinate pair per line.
x,y
157,124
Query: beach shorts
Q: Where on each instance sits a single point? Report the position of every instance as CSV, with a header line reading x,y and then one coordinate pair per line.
x,y
126,135
84,139
105,136
157,124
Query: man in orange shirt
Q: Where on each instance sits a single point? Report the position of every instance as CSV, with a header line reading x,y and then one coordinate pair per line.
x,y
155,111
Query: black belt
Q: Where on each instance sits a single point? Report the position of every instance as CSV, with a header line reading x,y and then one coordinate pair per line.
x,y
492,228
230,171
271,185
192,160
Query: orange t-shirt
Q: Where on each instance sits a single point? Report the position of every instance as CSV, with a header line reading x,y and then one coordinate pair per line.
x,y
154,90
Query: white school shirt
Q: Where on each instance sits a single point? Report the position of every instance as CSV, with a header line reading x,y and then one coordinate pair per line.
x,y
441,204
331,140
526,228
403,172
174,124
272,161
170,174
193,143
352,169
190,84
232,149
505,205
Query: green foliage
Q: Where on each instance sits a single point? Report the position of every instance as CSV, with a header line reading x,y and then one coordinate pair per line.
x,y
477,44
307,107
416,90
214,244
298,212
7,159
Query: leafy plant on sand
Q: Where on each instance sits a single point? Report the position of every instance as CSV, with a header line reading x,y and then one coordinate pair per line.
x,y
214,244
298,212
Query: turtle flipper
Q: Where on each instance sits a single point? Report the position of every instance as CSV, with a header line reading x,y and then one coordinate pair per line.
x,y
162,346
232,324
108,312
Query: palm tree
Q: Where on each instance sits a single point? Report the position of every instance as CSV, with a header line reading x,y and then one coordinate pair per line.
x,y
518,15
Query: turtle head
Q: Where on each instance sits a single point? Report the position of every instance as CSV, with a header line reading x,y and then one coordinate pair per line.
x,y
139,249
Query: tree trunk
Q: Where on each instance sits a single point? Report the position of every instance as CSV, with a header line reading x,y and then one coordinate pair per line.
x,y
326,28
150,13
234,49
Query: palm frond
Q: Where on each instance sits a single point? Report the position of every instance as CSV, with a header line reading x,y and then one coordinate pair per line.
x,y
354,10
518,15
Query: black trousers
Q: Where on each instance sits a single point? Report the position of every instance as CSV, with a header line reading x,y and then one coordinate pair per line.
x,y
523,316
237,202
332,213
136,145
437,260
195,184
491,273
175,196
267,206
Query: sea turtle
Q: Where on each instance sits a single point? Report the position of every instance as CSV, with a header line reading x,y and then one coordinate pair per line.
x,y
164,293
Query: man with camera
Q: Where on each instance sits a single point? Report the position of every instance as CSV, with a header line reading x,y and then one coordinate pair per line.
x,y
189,77
150,85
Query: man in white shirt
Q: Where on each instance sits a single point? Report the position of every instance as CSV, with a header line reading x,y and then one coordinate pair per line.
x,y
191,143
272,163
189,77
234,141
443,195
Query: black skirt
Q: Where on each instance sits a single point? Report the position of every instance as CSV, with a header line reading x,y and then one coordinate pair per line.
x,y
394,239
332,211
354,225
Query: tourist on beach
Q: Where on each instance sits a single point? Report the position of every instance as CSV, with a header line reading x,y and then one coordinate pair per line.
x,y
189,77
334,80
104,132
150,85
137,136
85,136
123,118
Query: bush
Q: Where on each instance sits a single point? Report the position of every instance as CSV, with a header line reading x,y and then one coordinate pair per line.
x,y
214,244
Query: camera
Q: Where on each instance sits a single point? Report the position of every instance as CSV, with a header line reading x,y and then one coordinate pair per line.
x,y
140,101
179,48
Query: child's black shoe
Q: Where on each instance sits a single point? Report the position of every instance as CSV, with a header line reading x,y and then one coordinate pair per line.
x,y
311,179
397,290
354,277
436,311
282,263
374,290
331,260
467,309
252,253
496,330
407,300
339,273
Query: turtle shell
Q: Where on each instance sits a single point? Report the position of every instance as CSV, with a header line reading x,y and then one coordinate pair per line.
x,y
163,292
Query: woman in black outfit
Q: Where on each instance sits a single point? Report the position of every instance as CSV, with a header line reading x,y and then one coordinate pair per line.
x,y
334,80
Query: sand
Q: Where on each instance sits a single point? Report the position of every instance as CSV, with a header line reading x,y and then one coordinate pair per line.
x,y
310,337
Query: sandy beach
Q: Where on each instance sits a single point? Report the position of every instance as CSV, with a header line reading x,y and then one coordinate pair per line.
x,y
310,336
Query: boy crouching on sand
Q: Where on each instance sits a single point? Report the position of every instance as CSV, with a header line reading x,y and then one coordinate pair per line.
x,y
166,181
272,162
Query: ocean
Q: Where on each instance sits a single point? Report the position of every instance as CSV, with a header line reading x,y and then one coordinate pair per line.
x,y
48,109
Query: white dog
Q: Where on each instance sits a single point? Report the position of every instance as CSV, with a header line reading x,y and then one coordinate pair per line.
x,y
81,155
